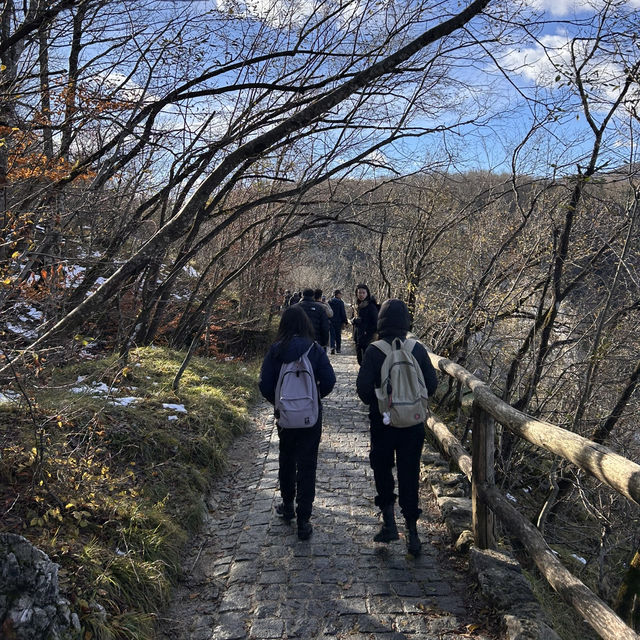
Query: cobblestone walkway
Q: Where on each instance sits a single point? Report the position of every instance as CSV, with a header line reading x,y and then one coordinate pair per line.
x,y
248,575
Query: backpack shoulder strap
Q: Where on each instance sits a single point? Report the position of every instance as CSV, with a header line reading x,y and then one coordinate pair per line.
x,y
409,343
383,345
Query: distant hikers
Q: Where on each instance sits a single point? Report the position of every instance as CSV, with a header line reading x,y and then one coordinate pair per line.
x,y
399,446
296,353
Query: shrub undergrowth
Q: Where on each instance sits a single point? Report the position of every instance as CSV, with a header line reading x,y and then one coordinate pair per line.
x,y
105,468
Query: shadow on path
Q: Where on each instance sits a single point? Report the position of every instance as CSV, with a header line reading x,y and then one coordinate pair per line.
x,y
248,576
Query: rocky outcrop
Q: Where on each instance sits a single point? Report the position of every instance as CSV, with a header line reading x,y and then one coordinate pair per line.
x,y
31,607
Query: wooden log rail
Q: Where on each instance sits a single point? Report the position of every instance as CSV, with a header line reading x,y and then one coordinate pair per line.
x,y
616,471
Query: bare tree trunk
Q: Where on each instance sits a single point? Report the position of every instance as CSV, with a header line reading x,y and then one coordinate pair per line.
x,y
45,91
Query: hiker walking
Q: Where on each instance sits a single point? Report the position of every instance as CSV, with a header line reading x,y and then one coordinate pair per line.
x,y
364,322
399,445
317,315
299,443
337,321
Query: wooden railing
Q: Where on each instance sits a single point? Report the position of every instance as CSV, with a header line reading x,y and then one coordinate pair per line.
x,y
616,471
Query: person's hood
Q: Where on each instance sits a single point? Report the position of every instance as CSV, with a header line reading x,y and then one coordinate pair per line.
x,y
394,318
296,347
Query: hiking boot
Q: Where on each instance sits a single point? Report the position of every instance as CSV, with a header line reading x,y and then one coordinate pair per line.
x,y
414,545
389,530
304,530
286,511
333,351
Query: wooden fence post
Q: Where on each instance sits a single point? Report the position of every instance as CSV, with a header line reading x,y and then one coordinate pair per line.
x,y
483,444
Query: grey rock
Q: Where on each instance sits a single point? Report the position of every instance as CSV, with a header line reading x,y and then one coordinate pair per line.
x,y
31,607
519,627
465,541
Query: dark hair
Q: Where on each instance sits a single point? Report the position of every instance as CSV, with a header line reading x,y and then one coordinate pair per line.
x,y
307,293
337,292
294,322
317,294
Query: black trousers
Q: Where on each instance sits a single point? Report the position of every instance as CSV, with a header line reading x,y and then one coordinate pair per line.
x,y
298,460
335,335
401,447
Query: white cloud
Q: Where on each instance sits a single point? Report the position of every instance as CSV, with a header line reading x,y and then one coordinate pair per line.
x,y
276,13
547,63
561,8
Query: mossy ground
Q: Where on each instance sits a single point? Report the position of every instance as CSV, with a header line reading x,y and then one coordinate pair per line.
x,y
110,487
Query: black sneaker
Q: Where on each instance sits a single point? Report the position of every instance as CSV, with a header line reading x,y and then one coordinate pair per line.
x,y
285,511
333,351
304,530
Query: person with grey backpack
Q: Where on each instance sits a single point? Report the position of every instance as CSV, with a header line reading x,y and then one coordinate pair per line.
x,y
295,375
396,379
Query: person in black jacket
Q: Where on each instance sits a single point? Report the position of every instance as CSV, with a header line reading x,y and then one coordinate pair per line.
x,y
337,321
317,315
298,455
388,442
365,321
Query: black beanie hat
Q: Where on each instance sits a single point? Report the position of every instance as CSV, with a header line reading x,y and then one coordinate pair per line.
x,y
393,317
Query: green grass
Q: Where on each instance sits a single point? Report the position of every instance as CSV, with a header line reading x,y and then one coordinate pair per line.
x,y
112,492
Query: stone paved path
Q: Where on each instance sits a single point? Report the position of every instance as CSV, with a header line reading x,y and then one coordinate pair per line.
x,y
248,576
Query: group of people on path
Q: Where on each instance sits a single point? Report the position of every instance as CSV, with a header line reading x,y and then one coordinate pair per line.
x,y
303,331
329,318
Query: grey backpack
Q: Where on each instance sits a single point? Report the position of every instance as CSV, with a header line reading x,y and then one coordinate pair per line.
x,y
296,405
402,394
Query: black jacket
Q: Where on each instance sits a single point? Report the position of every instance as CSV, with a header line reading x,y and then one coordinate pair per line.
x,y
319,319
365,322
325,376
369,375
339,313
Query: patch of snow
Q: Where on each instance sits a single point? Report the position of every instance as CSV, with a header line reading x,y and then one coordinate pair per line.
x,y
81,378
180,408
191,271
9,396
204,378
21,331
172,418
95,389
34,313
512,498
126,401
578,558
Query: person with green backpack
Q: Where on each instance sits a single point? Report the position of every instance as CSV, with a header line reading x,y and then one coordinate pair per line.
x,y
396,379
